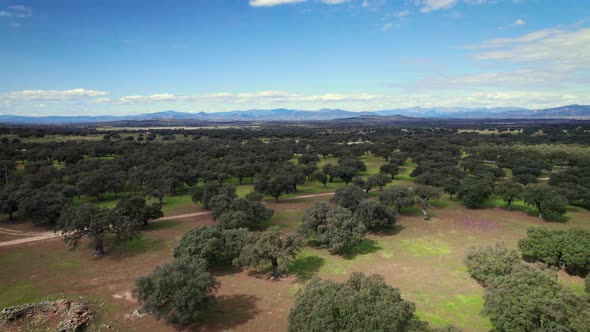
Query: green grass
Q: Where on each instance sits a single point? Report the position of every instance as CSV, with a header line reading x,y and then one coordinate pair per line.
x,y
373,163
19,293
305,266
427,247
67,263
367,246
519,205
405,171
109,200
176,202
577,287
139,245
329,160
463,308
288,219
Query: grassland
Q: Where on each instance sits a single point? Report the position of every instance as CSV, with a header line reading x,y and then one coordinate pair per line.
x,y
423,259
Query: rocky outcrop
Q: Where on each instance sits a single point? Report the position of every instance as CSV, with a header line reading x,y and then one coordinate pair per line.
x,y
75,315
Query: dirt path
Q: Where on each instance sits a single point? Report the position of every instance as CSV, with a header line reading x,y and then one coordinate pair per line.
x,y
34,237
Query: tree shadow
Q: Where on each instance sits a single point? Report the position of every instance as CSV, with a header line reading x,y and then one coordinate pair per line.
x,y
227,313
365,247
159,225
306,267
134,247
411,211
224,268
389,231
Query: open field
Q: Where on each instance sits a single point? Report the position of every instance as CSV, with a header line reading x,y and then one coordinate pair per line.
x,y
423,259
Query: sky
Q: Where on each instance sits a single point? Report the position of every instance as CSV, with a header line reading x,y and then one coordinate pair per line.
x,y
116,57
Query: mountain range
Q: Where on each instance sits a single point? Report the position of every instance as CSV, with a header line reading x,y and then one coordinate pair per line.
x,y
281,114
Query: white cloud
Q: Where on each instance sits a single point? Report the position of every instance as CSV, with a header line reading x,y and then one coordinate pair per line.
x,y
386,27
528,38
261,97
158,97
544,60
433,5
226,101
519,22
476,2
427,6
549,48
223,101
401,14
271,3
334,2
101,101
51,95
17,11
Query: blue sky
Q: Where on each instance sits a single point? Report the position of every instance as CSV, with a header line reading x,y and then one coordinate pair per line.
x,y
64,57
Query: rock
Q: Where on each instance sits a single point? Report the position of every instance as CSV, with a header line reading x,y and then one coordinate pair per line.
x,y
137,314
75,315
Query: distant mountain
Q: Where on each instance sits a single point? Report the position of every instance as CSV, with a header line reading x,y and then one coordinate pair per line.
x,y
568,111
282,114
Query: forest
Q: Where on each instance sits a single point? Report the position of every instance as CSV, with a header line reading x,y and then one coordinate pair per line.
x,y
303,227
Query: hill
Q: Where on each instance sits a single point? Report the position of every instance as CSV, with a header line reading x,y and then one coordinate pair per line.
x,y
282,114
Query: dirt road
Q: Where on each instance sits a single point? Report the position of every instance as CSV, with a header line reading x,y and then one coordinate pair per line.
x,y
34,237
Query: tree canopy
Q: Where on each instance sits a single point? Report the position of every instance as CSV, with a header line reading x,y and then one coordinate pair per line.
x,y
363,303
490,262
528,299
397,197
569,249
212,244
95,222
348,197
270,247
178,292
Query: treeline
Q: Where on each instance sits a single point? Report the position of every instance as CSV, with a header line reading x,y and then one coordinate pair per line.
x,y
39,179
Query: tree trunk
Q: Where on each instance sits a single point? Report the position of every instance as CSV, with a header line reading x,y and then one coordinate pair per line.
x,y
275,268
98,248
10,216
